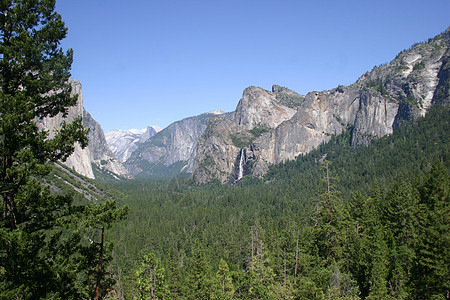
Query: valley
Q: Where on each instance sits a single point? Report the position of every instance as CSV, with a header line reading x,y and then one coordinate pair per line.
x,y
347,213
334,194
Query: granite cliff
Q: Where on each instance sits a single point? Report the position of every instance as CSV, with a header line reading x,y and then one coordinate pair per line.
x,y
97,152
225,151
261,108
220,142
374,106
170,151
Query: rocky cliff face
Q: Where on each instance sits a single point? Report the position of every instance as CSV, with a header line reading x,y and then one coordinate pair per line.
x,y
261,108
226,150
413,76
171,150
322,115
217,148
374,106
97,151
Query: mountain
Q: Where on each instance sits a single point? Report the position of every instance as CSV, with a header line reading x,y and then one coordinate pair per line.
x,y
257,112
173,150
170,151
97,153
264,109
268,133
125,142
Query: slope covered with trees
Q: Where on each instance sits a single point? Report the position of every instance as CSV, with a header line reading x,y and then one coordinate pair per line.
x,y
337,223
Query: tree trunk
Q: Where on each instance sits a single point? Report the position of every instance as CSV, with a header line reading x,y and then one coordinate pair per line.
x,y
99,272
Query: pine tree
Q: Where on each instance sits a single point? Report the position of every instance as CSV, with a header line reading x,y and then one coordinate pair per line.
x,y
260,274
330,220
431,273
199,283
41,244
151,279
400,217
225,288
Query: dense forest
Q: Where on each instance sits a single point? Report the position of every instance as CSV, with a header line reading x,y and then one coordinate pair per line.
x,y
338,223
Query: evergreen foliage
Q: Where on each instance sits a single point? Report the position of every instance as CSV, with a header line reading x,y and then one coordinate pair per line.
x,y
151,279
47,244
363,223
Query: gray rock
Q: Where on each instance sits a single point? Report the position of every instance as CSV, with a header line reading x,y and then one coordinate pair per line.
x,y
260,108
124,142
97,151
151,131
170,151
218,151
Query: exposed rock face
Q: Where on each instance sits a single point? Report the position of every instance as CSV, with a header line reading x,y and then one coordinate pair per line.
x,y
97,151
79,161
322,115
217,151
124,142
442,93
261,108
171,150
149,132
225,150
413,76
374,106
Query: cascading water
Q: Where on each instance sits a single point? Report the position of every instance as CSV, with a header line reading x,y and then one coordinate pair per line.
x,y
241,166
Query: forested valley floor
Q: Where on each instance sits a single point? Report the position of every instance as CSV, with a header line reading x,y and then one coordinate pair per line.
x,y
338,223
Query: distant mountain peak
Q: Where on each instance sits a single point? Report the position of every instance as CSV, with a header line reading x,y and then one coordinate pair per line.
x,y
136,131
124,142
216,112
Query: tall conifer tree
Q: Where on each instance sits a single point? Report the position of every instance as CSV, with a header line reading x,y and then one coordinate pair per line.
x,y
40,240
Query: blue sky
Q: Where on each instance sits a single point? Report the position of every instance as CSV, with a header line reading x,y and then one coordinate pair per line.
x,y
146,62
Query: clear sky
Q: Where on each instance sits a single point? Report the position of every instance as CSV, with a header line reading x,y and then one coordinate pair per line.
x,y
147,62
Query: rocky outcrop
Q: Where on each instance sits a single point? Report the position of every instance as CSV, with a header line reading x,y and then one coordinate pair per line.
x,y
225,150
412,77
380,101
97,151
149,132
442,93
79,161
218,151
170,151
322,115
261,108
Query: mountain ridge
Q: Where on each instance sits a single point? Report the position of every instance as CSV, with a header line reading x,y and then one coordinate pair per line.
x,y
173,148
377,103
278,125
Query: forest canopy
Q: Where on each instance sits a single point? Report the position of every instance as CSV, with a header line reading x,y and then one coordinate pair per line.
x,y
366,223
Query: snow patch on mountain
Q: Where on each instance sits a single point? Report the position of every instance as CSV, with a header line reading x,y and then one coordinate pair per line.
x,y
124,142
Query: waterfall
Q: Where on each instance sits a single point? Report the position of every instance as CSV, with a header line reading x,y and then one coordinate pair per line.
x,y
241,166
